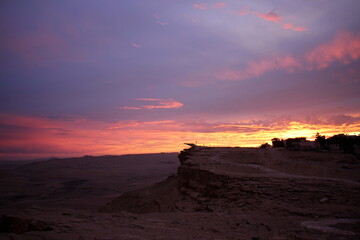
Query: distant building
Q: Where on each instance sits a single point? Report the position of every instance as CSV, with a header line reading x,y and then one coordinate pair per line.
x,y
299,143
307,145
294,143
340,142
346,143
276,142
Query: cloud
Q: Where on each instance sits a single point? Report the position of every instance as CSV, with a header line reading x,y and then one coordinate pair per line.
x,y
136,45
165,124
292,27
131,108
201,6
258,68
276,18
162,104
219,5
270,16
344,48
251,125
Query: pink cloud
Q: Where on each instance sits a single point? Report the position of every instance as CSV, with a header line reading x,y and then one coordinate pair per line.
x,y
201,6
250,125
344,48
258,68
271,16
292,27
219,5
136,45
131,108
276,18
162,104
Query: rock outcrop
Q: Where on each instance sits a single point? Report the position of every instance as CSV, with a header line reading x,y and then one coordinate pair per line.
x,y
249,179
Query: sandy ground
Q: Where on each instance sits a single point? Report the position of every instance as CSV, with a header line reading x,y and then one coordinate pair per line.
x,y
218,193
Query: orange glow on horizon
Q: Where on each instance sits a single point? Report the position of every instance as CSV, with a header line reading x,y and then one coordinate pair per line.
x,y
85,137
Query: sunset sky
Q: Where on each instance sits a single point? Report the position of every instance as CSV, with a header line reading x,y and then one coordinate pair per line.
x,y
139,76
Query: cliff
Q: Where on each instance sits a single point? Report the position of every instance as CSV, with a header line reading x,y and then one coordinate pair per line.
x,y
250,179
250,192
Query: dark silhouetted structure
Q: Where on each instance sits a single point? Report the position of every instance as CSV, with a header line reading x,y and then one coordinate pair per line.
x,y
346,143
276,142
340,142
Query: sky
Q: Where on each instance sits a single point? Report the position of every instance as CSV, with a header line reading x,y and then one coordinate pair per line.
x,y
125,77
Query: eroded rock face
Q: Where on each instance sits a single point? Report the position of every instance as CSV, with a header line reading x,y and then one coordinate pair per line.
x,y
157,198
216,179
10,224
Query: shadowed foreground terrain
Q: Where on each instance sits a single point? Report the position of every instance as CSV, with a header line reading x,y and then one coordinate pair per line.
x,y
216,193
